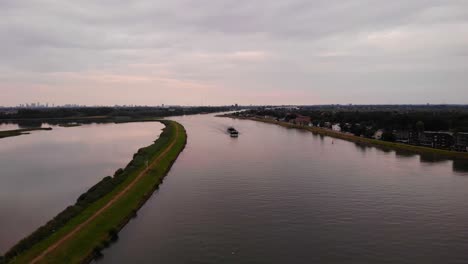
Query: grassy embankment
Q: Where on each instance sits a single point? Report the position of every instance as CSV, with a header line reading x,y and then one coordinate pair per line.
x,y
19,132
86,234
348,137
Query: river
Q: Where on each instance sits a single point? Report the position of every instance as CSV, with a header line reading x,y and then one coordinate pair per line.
x,y
278,195
44,172
5,126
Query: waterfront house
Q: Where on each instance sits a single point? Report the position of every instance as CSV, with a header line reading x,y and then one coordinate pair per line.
x,y
401,136
437,139
424,140
378,134
301,120
461,141
336,127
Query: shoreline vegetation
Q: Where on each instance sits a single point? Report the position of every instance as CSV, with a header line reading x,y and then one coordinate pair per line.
x,y
353,138
70,125
80,232
19,132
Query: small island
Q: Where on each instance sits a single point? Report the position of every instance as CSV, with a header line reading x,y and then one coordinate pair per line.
x,y
19,132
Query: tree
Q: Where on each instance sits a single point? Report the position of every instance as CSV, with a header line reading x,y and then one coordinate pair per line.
x,y
113,234
357,130
388,136
420,126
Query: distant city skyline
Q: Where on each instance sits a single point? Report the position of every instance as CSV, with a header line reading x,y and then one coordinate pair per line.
x,y
296,52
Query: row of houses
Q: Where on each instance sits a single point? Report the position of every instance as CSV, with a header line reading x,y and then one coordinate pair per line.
x,y
434,139
302,120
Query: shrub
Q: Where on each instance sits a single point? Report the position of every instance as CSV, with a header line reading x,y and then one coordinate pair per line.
x,y
97,252
105,243
113,234
134,213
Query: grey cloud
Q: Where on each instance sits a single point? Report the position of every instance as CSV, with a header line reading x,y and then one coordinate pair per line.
x,y
301,47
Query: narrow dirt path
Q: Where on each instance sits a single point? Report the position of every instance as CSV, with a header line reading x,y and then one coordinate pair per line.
x,y
108,204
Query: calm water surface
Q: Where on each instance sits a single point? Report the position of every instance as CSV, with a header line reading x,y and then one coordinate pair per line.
x,y
277,195
42,173
5,126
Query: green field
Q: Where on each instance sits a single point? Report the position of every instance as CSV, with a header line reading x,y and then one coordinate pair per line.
x,y
380,143
84,236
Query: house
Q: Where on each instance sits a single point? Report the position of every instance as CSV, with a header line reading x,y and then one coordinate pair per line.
x,y
408,137
424,140
437,139
336,127
461,141
301,120
403,136
378,134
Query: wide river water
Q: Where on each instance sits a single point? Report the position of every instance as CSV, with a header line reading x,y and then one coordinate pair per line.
x,y
278,195
44,172
4,127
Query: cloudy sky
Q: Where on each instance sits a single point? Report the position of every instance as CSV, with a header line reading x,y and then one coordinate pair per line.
x,y
233,51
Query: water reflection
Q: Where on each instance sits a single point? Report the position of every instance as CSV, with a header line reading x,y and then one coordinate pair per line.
x,y
459,165
432,158
405,154
361,147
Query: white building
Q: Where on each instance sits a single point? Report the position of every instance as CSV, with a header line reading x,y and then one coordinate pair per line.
x,y
336,127
378,134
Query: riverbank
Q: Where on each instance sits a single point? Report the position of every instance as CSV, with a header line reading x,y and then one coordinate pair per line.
x,y
19,132
369,141
82,237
